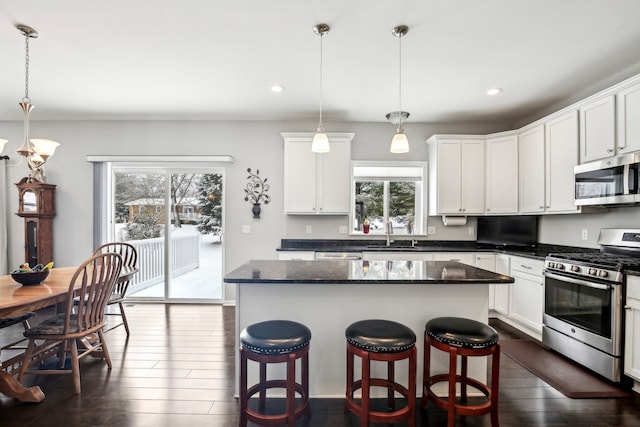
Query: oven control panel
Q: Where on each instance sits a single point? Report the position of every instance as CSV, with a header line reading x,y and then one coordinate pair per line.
x,y
575,269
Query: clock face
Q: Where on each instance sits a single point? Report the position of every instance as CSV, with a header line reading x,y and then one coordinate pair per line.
x,y
29,201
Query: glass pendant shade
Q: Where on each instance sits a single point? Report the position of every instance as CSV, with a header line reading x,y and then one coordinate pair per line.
x,y
45,147
320,142
399,143
2,144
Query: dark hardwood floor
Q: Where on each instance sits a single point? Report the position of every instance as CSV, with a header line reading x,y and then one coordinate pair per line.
x,y
177,369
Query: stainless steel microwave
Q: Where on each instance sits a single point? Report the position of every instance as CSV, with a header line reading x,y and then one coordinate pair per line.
x,y
612,181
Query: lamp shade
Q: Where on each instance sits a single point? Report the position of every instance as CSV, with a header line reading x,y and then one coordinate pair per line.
x,y
320,143
399,143
45,147
2,144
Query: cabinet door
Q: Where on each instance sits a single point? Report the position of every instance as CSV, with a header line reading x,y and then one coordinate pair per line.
x,y
449,176
502,175
396,256
485,261
632,328
531,170
628,114
561,157
300,177
334,178
526,303
297,255
462,257
597,129
632,339
472,167
501,290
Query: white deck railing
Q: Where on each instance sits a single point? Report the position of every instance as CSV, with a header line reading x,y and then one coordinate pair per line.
x,y
185,257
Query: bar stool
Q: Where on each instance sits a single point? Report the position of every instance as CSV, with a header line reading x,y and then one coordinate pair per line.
x,y
461,337
275,341
384,341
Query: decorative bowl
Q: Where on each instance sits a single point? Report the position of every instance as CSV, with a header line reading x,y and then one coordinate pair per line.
x,y
32,278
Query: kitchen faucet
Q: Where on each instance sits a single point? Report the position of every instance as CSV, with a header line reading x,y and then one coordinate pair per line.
x,y
389,232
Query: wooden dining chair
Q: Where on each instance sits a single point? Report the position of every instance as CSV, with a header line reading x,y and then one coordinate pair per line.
x,y
77,332
129,256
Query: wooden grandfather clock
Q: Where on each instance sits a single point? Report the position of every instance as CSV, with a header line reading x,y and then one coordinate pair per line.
x,y
37,206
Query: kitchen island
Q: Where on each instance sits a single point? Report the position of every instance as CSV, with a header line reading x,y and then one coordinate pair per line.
x,y
327,296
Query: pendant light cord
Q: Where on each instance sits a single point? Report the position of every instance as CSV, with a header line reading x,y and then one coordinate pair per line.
x,y
400,82
320,124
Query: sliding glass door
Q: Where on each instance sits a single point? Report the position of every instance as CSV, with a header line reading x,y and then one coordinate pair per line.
x,y
174,218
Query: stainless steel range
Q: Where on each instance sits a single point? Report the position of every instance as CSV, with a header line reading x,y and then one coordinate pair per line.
x,y
583,301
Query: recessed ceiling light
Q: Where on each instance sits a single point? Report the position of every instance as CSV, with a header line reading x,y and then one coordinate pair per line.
x,y
277,88
494,91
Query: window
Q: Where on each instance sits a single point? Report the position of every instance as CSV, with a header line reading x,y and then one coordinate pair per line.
x,y
384,192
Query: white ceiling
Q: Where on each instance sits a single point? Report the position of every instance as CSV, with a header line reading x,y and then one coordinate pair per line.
x,y
213,59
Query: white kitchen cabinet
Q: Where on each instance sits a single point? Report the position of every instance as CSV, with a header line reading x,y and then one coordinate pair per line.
x,y
456,175
487,261
462,257
297,255
598,129
317,183
531,170
502,175
527,292
501,290
632,331
396,256
561,155
628,119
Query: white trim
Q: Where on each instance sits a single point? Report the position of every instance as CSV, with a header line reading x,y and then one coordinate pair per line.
x,y
160,159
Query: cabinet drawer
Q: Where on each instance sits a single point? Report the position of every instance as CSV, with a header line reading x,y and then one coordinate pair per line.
x,y
527,265
633,287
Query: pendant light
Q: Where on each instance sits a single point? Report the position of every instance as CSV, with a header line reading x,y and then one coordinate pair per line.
x,y
320,142
36,151
399,143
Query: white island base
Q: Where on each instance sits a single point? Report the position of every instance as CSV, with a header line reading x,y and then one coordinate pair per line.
x,y
328,309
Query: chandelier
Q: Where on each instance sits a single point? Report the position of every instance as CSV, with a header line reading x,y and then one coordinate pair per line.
x,y
36,151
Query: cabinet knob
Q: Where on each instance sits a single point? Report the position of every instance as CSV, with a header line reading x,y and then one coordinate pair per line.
x,y
627,307
540,207
610,150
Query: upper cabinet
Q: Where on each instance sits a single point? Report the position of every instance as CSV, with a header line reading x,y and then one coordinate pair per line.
x,y
456,175
598,129
501,189
561,155
628,113
316,183
531,170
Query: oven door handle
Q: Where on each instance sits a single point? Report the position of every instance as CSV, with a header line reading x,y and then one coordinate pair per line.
x,y
577,281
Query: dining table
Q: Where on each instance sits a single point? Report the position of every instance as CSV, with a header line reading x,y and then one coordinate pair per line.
x,y
17,299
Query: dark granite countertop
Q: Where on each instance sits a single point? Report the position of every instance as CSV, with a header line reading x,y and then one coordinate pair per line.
x,y
363,272
539,251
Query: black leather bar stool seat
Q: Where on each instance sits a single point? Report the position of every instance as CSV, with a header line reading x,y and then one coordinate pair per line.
x,y
384,341
275,341
461,337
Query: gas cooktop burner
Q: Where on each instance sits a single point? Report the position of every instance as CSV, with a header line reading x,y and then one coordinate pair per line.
x,y
597,259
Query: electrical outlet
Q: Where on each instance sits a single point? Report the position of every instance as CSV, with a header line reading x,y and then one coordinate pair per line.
x,y
585,234
431,230
342,229
471,231
309,229
246,229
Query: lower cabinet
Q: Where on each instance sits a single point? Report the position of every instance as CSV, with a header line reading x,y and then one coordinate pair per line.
x,y
632,332
297,255
501,290
527,293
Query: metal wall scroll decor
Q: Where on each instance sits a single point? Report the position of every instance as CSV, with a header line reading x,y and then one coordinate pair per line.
x,y
255,191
